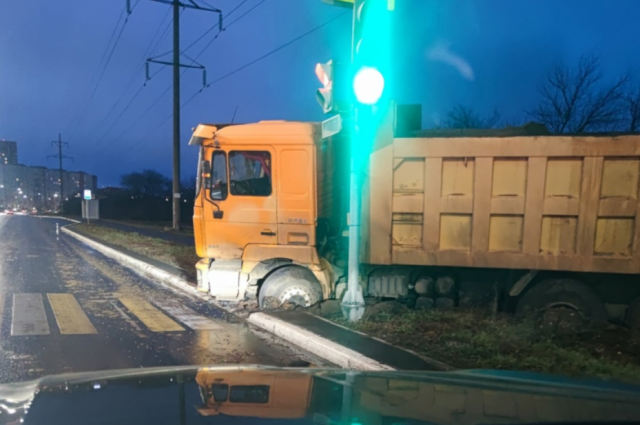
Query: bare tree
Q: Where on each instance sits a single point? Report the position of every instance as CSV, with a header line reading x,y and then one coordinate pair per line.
x,y
578,101
461,116
632,107
148,183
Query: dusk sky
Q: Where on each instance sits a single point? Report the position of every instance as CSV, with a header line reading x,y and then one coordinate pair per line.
x,y
486,54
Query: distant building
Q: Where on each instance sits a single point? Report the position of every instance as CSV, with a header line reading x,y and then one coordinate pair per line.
x,y
8,152
28,187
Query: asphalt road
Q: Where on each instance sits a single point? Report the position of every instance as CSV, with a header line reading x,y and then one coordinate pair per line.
x,y
66,308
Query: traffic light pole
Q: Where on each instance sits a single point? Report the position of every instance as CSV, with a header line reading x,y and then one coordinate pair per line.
x,y
352,304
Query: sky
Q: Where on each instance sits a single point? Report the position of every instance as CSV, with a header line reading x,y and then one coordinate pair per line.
x,y
487,54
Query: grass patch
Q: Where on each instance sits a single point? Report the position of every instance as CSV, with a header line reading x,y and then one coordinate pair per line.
x,y
185,228
476,340
177,255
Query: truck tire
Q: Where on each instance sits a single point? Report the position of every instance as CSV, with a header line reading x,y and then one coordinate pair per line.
x,y
289,285
562,293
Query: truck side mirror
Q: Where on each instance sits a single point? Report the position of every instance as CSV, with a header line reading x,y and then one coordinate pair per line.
x,y
206,174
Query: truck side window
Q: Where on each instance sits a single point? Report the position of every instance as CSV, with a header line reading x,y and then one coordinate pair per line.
x,y
250,173
219,392
249,394
219,189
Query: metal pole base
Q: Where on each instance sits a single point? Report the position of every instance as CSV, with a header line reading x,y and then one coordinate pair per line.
x,y
352,305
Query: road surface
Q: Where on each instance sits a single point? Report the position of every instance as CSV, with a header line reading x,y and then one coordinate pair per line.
x,y
67,308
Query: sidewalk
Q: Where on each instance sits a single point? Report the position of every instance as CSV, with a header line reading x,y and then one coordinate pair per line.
x,y
374,349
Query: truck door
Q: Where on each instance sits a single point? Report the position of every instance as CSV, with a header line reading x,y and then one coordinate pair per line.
x,y
241,207
296,195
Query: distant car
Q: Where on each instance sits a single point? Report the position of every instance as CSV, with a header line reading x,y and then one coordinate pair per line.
x,y
9,212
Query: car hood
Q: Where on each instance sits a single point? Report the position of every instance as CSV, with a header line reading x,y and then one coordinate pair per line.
x,y
267,395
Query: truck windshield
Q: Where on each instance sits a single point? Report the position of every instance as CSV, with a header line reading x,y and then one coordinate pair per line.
x,y
250,173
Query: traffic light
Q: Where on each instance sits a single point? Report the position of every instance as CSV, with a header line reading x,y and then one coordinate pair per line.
x,y
324,72
371,48
333,96
368,85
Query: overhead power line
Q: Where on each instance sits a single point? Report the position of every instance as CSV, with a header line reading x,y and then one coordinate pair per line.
x,y
102,58
157,100
229,25
126,90
235,71
140,66
266,55
217,25
104,69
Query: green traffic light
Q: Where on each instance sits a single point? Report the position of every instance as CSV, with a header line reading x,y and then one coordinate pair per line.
x,y
368,85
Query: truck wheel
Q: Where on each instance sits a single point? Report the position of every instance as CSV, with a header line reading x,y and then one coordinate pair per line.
x,y
559,298
289,285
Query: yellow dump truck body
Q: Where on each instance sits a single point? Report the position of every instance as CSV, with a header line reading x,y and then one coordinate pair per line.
x,y
533,202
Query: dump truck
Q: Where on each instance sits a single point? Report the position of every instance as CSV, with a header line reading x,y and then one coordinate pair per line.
x,y
522,223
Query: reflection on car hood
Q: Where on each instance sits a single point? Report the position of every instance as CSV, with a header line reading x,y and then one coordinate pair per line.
x,y
266,395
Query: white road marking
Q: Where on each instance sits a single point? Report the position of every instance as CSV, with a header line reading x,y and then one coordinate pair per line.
x,y
187,316
29,317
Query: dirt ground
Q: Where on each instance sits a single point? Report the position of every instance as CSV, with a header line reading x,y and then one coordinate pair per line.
x,y
471,339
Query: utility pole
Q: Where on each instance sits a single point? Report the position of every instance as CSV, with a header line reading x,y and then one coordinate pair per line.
x,y
176,114
176,5
60,144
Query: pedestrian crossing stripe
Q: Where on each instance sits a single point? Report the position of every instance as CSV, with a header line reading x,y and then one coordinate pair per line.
x,y
153,318
185,315
29,317
69,315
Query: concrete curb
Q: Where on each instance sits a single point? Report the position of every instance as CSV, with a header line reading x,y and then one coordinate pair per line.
x,y
315,344
57,218
140,267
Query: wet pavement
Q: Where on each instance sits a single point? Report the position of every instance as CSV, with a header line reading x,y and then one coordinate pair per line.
x,y
67,308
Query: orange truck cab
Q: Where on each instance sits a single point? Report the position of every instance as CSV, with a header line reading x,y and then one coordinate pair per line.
x,y
255,213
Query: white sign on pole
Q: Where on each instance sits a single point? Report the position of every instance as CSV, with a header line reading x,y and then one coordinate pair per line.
x,y
331,126
87,194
